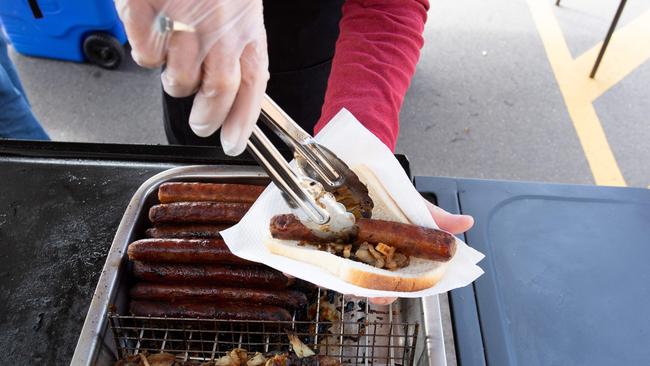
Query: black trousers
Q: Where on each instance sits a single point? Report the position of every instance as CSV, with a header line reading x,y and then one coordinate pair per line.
x,y
301,38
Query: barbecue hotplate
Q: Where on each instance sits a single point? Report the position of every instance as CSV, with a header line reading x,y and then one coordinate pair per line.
x,y
57,221
60,204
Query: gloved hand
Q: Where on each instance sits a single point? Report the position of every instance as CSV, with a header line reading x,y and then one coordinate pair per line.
x,y
225,59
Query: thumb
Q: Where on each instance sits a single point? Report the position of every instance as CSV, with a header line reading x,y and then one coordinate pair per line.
x,y
452,223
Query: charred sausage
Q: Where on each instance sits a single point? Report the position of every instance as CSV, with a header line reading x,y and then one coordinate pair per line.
x,y
187,231
219,295
289,227
216,192
184,251
412,240
198,212
254,277
234,311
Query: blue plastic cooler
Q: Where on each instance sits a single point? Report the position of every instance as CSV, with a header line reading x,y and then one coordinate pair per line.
x,y
74,30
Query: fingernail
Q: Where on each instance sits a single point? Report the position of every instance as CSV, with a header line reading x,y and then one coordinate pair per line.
x,y
167,80
171,86
238,149
228,146
136,56
230,139
199,120
124,11
383,300
231,147
201,130
208,92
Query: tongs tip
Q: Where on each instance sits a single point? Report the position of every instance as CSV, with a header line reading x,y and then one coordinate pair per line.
x,y
314,162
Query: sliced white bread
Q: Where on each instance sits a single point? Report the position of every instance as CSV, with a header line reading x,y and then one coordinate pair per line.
x,y
420,274
385,207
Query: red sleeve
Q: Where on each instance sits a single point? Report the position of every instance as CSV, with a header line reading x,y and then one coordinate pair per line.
x,y
376,53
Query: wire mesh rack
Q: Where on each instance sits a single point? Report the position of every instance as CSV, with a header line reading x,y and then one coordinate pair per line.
x,y
356,333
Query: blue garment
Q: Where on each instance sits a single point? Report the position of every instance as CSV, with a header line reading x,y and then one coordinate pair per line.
x,y
16,118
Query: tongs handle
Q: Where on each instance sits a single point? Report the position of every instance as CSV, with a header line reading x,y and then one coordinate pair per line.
x,y
285,178
302,143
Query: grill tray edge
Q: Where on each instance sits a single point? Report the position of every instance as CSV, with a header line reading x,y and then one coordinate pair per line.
x,y
94,344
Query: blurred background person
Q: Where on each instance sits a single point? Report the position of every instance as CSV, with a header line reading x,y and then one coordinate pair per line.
x,y
16,118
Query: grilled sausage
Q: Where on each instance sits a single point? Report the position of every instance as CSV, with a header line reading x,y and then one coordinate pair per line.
x,y
216,192
219,295
187,231
198,212
289,227
184,251
254,277
234,311
412,240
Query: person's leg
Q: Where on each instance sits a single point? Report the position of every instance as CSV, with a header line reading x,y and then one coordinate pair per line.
x,y
16,118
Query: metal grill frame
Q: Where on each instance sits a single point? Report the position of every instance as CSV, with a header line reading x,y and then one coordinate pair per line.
x,y
96,343
197,339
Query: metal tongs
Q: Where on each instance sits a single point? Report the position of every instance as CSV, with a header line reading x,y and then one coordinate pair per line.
x,y
317,168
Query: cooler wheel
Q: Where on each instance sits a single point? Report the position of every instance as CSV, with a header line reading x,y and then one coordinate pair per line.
x,y
103,50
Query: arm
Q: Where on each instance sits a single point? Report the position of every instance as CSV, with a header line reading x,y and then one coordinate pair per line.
x,y
376,53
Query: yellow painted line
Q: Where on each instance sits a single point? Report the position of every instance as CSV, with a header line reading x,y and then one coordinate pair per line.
x,y
628,49
594,142
549,30
572,82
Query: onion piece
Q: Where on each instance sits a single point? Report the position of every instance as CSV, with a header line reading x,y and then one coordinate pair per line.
x,y
364,255
380,261
347,251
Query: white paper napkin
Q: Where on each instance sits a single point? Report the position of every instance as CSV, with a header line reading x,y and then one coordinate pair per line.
x,y
355,145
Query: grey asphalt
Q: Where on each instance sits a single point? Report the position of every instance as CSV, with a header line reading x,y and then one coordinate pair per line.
x,y
83,103
484,102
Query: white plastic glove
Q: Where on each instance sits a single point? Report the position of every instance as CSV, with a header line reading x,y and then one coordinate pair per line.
x,y
225,59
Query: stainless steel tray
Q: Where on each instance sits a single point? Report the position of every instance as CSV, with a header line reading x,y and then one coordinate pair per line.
x,y
96,345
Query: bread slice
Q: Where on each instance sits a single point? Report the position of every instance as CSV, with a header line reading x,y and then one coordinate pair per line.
x,y
420,274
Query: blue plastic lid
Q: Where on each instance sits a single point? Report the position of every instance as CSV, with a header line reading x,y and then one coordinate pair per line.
x,y
567,277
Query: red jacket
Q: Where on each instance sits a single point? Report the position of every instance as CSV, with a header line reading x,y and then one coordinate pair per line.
x,y
376,53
